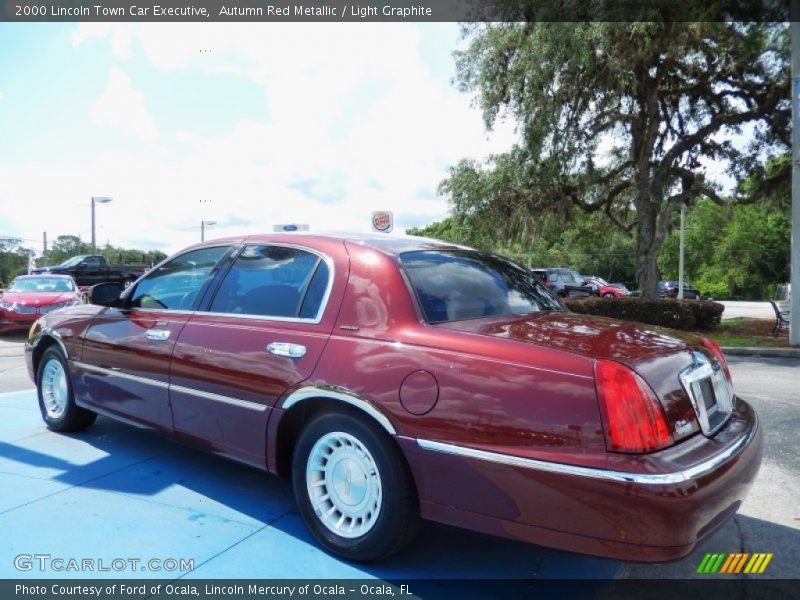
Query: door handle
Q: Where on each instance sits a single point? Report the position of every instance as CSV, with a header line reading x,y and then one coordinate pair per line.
x,y
286,349
157,335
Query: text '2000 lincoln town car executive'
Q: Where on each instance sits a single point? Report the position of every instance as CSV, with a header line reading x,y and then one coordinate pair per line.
x,y
398,378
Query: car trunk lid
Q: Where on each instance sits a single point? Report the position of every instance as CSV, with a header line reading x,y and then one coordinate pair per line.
x,y
657,355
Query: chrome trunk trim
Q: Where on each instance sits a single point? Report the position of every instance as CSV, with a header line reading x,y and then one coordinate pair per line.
x,y
676,477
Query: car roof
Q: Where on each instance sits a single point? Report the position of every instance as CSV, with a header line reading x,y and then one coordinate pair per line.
x,y
388,244
51,275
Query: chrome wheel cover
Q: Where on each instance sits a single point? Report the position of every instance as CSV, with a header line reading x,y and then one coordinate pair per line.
x,y
55,390
344,485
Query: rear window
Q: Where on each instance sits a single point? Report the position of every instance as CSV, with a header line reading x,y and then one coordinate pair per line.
x,y
453,285
273,281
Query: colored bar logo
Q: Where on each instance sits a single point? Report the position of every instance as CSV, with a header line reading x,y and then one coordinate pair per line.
x,y
735,562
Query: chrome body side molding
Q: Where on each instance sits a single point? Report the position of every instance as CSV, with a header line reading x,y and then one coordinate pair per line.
x,y
170,386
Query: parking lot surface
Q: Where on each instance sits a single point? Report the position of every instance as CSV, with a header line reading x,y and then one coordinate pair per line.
x,y
735,309
116,491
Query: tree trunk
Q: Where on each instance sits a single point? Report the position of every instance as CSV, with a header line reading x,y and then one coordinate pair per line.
x,y
647,249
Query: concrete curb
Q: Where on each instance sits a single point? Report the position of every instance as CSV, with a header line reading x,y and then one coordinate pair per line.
x,y
764,352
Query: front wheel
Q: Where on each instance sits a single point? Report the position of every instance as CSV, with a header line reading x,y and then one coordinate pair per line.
x,y
56,400
353,488
608,295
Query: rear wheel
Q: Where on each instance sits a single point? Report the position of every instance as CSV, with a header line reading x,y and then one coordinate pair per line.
x,y
56,400
353,488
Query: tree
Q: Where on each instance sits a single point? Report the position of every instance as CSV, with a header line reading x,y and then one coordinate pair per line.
x,y
589,245
66,246
737,250
617,119
13,259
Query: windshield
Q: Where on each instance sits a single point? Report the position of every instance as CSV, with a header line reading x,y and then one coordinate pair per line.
x,y
71,262
42,284
453,285
601,281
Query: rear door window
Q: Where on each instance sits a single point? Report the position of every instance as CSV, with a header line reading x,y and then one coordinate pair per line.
x,y
274,281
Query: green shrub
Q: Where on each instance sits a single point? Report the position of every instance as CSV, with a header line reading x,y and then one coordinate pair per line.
x,y
677,314
714,289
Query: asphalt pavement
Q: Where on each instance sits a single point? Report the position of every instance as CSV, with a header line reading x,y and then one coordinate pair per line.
x,y
118,491
13,375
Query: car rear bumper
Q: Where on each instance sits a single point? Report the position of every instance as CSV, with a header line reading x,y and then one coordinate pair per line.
x,y
657,508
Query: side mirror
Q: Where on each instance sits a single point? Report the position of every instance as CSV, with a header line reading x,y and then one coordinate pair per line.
x,y
105,294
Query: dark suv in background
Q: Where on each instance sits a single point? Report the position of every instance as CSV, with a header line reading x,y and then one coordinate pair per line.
x,y
566,283
669,289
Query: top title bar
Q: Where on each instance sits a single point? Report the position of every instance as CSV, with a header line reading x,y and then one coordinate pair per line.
x,y
400,10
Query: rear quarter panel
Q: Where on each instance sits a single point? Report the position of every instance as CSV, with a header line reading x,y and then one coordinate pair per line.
x,y
493,394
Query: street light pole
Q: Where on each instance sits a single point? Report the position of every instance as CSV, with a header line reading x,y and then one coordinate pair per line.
x,y
794,315
203,225
97,200
680,254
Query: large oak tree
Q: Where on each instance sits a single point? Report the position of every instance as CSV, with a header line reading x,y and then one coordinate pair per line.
x,y
625,119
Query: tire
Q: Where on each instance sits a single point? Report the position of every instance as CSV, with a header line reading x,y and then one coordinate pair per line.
x,y
365,522
56,400
608,295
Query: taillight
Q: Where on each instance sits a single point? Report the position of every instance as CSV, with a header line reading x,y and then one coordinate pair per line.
x,y
633,417
717,351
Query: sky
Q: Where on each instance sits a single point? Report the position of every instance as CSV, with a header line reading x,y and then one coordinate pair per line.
x,y
248,125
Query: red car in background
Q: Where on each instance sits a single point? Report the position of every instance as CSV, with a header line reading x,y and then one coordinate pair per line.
x,y
605,289
31,296
396,378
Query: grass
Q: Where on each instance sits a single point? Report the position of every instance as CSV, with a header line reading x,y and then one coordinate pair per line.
x,y
744,332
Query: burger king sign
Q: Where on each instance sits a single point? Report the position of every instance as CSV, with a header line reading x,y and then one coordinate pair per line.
x,y
382,221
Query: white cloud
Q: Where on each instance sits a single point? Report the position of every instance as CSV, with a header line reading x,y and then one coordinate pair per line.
x,y
124,107
353,122
119,34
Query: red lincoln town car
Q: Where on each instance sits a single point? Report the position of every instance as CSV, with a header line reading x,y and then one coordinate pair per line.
x,y
399,378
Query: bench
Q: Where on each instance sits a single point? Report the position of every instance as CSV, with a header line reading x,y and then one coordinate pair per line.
x,y
781,318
